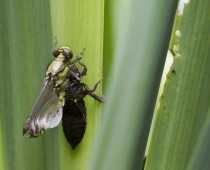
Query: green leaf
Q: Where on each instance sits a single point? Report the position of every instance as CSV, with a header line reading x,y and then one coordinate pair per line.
x,y
200,156
24,48
1,151
142,32
186,97
79,24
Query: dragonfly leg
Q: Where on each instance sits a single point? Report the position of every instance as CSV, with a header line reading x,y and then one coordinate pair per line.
x,y
90,92
78,58
84,71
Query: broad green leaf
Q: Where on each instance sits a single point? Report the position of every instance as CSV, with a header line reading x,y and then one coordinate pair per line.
x,y
185,101
25,51
200,156
1,151
79,24
142,30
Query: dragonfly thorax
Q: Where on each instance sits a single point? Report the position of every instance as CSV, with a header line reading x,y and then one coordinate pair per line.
x,y
56,66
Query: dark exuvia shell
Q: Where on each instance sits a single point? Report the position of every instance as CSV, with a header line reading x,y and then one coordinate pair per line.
x,y
74,122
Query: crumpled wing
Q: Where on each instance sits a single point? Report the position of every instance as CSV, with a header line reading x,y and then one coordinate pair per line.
x,y
46,112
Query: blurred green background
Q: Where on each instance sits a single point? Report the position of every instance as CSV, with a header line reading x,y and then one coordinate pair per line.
x,y
126,44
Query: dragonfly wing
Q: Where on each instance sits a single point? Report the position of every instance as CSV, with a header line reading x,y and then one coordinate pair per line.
x,y
46,112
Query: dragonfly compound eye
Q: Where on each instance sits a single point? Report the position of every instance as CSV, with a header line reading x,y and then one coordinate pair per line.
x,y
55,52
67,53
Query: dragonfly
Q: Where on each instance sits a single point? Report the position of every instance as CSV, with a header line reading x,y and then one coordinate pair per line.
x,y
61,97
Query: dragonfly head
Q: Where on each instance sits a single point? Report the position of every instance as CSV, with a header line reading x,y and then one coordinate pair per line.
x,y
64,52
